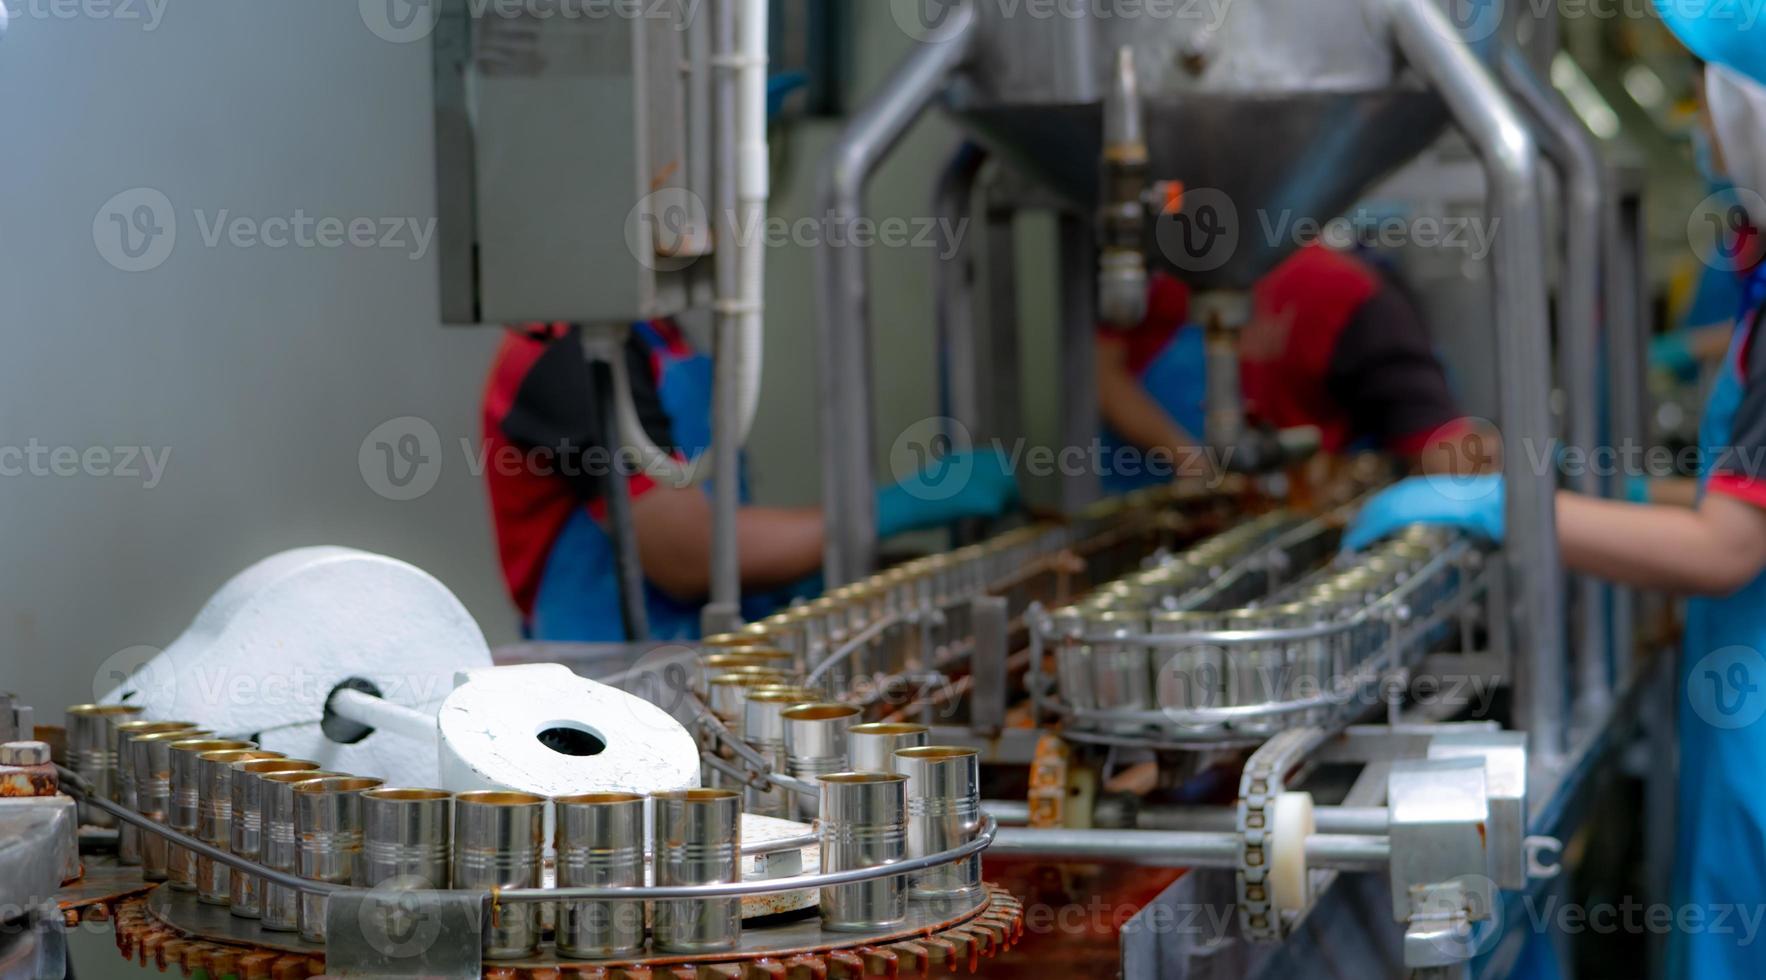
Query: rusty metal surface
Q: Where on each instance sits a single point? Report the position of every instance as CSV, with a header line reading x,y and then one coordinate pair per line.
x,y
102,883
936,944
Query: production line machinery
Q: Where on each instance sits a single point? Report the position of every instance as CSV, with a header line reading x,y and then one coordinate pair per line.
x,y
1158,631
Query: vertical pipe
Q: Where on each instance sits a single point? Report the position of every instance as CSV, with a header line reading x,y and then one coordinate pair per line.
x,y
953,291
843,294
1627,298
726,580
600,346
1075,340
1430,44
1576,152
1001,402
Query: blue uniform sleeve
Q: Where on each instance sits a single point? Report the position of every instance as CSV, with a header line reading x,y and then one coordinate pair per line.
x,y
1739,469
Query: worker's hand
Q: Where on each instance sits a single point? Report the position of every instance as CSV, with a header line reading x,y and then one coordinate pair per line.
x,y
1672,355
956,486
1470,503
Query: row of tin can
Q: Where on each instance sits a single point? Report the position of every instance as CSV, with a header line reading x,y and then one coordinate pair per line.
x,y
1213,671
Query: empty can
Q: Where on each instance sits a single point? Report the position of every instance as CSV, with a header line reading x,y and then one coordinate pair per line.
x,y
499,837
1190,676
1073,668
698,835
727,694
407,838
129,835
328,841
245,891
863,825
1122,672
764,729
600,845
816,742
872,747
214,817
91,752
1257,672
185,812
151,762
281,851
944,811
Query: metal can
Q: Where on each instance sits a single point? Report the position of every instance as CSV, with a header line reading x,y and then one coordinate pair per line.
x,y
698,842
91,752
763,728
281,904
151,761
737,658
1257,672
1312,660
944,812
600,844
499,837
727,694
816,742
407,838
1122,672
863,825
1073,667
214,817
328,841
185,812
129,835
872,747
1193,675
245,891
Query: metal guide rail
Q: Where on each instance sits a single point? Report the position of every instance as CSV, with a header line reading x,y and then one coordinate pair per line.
x,y
1224,645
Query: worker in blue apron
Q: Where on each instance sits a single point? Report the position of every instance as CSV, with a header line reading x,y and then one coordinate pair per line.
x,y
1714,552
545,469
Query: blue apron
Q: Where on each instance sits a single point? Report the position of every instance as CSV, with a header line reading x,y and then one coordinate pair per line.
x,y
1178,380
578,599
1720,853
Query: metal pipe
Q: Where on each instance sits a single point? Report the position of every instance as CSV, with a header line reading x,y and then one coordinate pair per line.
x,y
1180,849
1430,43
382,715
1076,337
1326,819
1577,154
1627,299
603,351
953,291
726,569
842,297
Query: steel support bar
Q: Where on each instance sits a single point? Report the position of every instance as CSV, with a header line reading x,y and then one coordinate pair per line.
x,y
1179,849
953,291
1326,819
725,609
1075,340
1627,299
1587,203
843,297
1430,44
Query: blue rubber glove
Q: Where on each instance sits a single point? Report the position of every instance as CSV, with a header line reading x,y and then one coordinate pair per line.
x,y
954,487
1719,32
1671,355
1637,488
1471,503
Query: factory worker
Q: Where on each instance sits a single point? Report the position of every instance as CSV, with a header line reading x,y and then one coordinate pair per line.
x,y
545,467
1715,552
1331,344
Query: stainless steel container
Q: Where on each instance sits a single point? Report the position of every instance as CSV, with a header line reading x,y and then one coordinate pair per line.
x,y
328,841
281,904
245,891
151,761
698,834
600,844
863,825
129,835
1122,672
214,817
1311,661
91,752
816,742
764,729
1257,672
944,811
873,746
727,694
499,837
732,658
1190,676
407,838
185,813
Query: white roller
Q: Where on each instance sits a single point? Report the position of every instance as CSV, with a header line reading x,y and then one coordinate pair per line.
x,y
491,727
1291,822
268,649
